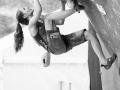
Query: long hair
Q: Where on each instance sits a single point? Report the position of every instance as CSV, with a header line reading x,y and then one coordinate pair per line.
x,y
19,38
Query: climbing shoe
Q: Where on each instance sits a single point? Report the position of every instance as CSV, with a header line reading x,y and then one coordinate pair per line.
x,y
77,7
110,61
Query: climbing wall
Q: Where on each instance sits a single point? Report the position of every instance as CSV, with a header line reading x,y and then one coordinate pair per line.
x,y
104,15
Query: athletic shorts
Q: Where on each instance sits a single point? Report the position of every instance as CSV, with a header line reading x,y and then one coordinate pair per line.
x,y
59,44
74,39
55,41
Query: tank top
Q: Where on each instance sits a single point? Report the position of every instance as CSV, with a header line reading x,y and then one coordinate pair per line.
x,y
40,37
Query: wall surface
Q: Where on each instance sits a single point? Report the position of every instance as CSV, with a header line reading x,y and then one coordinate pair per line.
x,y
104,16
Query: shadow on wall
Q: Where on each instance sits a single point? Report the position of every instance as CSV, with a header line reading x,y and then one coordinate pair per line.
x,y
119,71
8,10
118,64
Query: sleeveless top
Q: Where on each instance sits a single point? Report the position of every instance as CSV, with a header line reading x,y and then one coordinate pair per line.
x,y
40,37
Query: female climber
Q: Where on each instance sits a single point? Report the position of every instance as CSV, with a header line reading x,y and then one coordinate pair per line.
x,y
44,31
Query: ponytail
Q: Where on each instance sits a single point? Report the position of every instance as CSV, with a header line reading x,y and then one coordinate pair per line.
x,y
19,38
